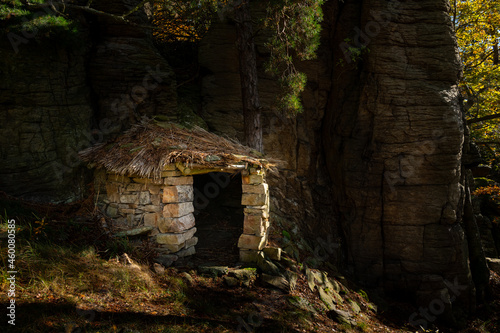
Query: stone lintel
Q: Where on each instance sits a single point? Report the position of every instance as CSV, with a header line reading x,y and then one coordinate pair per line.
x,y
182,180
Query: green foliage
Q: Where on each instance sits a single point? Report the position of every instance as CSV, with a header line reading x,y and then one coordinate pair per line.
x,y
286,235
38,24
363,327
296,29
363,294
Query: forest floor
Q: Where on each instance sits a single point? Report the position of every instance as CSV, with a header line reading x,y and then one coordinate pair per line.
x,y
71,277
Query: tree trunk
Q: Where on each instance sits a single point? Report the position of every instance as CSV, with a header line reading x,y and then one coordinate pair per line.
x,y
248,76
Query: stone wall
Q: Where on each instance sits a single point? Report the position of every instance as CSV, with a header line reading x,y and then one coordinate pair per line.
x,y
255,198
57,99
163,209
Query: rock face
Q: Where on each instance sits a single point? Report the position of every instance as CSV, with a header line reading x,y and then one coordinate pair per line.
x,y
43,122
391,135
393,131
128,75
57,100
300,191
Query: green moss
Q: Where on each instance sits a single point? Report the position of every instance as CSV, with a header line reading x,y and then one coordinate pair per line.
x,y
24,25
483,182
188,118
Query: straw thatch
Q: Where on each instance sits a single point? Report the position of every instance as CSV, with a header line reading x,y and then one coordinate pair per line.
x,y
146,148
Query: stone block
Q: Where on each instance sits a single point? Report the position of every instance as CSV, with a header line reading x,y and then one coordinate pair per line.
x,y
186,252
113,192
260,189
252,242
178,209
183,180
148,181
112,211
153,189
179,193
253,199
152,219
135,187
152,208
126,211
171,173
252,179
135,232
118,178
155,199
175,238
191,242
144,198
254,225
273,253
176,224
166,259
248,255
257,210
171,248
129,198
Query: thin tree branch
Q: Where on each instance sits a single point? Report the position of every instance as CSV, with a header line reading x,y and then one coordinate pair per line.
x,y
478,120
487,142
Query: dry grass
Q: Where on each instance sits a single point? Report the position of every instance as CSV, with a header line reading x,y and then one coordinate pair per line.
x,y
148,147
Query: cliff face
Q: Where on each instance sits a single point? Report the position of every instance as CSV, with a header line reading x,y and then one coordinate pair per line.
x,y
394,133
57,99
44,120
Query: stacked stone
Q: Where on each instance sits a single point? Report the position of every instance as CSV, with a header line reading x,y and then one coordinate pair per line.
x,y
130,200
255,196
164,204
176,225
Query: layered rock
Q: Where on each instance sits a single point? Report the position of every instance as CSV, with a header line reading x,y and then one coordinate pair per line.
x,y
393,131
45,120
300,191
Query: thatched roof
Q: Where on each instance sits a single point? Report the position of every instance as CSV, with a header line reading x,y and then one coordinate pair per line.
x,y
147,148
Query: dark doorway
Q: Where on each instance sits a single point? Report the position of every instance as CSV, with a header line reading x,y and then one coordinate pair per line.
x,y
219,217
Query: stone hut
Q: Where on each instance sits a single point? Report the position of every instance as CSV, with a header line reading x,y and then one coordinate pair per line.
x,y
145,184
